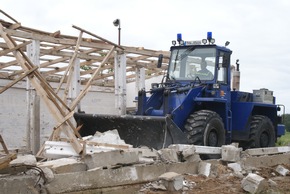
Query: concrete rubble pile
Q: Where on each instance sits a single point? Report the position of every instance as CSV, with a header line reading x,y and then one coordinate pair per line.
x,y
110,163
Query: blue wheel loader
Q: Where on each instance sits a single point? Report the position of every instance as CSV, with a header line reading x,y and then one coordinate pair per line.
x,y
195,104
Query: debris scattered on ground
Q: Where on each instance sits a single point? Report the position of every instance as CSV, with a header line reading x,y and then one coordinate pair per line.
x,y
178,168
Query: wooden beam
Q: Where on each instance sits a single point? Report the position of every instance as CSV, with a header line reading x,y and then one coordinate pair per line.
x,y
71,61
14,20
2,53
18,79
3,145
94,35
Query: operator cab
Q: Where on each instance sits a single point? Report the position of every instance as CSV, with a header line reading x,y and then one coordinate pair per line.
x,y
192,61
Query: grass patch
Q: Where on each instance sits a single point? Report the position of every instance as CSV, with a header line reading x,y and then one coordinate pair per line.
x,y
284,140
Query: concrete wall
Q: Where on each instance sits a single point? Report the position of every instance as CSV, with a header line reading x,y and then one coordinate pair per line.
x,y
13,111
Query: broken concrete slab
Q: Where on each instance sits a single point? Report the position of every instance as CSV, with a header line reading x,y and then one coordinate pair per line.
x,y
268,151
18,184
80,181
265,161
24,160
282,170
172,181
254,183
110,158
109,137
198,149
146,152
64,165
168,155
61,149
231,153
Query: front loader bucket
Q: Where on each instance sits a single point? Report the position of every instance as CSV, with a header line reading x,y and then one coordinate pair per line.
x,y
154,132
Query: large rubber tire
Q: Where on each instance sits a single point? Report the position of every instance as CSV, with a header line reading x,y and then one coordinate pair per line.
x,y
262,133
205,128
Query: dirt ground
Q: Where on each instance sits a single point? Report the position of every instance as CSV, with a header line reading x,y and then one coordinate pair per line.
x,y
227,183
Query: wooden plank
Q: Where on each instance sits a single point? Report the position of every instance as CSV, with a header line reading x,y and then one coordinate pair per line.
x,y
71,63
14,20
64,120
3,145
6,51
103,39
4,161
17,80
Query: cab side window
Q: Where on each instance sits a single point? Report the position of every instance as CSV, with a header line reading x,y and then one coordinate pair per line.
x,y
223,68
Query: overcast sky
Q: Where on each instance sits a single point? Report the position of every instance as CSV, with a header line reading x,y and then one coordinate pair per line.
x,y
258,30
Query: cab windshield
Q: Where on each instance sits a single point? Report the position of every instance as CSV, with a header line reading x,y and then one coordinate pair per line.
x,y
190,63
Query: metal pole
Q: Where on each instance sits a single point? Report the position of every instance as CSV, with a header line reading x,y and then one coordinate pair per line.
x,y
119,34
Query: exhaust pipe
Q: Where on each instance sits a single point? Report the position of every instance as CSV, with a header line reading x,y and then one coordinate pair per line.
x,y
236,77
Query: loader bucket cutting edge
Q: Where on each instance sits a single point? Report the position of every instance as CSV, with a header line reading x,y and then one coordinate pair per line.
x,y
135,130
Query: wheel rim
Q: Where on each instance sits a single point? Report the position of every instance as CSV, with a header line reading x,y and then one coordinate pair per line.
x,y
212,138
264,139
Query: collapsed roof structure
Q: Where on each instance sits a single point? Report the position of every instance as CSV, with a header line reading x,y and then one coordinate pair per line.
x,y
45,58
57,50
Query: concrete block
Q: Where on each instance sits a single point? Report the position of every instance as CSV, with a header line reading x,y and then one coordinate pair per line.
x,y
211,169
193,158
110,158
172,181
168,155
64,165
204,168
189,151
235,166
254,183
282,170
231,153
24,159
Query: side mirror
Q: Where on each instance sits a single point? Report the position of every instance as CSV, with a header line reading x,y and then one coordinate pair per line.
x,y
160,59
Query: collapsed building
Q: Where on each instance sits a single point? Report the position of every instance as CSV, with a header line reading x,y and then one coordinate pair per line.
x,y
48,76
